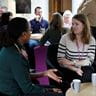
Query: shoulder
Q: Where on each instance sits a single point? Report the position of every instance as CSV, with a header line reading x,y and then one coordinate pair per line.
x,y
65,38
33,20
45,21
66,35
92,40
65,30
10,52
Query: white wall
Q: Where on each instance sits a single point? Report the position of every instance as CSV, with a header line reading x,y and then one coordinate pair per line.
x,y
75,5
3,3
34,3
43,4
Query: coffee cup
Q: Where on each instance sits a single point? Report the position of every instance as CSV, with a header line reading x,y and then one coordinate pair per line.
x,y
93,79
75,85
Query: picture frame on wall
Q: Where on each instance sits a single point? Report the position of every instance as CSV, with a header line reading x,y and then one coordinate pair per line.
x,y
23,6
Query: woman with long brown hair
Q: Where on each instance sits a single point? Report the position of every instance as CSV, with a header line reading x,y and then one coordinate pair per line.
x,y
76,50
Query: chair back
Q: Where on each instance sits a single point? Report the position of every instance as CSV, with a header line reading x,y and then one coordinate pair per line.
x,y
40,53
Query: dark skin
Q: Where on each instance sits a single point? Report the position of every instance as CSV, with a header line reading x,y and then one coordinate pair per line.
x,y
49,73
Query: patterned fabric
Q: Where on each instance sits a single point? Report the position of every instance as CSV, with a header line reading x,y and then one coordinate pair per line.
x,y
68,49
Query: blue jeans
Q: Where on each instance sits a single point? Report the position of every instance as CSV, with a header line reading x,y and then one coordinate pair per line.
x,y
29,46
32,43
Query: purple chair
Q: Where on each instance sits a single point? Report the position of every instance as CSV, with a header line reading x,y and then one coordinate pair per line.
x,y
40,53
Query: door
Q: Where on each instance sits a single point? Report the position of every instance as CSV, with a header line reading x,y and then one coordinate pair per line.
x,y
59,6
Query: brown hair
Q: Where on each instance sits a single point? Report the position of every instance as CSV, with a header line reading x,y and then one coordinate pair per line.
x,y
56,21
86,34
38,7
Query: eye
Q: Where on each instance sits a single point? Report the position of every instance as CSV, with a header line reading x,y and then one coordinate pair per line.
x,y
72,23
77,24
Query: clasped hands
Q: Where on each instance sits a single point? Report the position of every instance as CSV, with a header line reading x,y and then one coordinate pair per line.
x,y
74,66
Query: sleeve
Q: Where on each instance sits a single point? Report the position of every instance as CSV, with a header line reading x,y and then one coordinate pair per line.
x,y
47,24
21,75
32,24
62,47
44,38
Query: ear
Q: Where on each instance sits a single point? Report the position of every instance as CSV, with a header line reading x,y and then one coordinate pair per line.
x,y
24,34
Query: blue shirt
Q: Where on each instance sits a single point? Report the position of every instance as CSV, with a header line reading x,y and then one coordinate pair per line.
x,y
36,25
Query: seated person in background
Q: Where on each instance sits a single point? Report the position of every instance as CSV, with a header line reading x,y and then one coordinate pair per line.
x,y
55,30
76,50
14,71
38,24
67,17
3,9
51,38
4,20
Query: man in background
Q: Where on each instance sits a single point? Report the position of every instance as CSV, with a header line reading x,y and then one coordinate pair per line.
x,y
38,24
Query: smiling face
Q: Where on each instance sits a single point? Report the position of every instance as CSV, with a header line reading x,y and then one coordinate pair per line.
x,y
38,12
77,26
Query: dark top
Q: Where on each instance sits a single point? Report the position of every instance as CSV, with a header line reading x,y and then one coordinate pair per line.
x,y
3,30
53,35
36,25
14,74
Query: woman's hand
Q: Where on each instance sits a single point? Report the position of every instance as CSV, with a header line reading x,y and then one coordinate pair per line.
x,y
51,74
79,71
65,62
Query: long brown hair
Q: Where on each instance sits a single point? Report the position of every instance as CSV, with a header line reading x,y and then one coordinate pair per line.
x,y
86,34
56,21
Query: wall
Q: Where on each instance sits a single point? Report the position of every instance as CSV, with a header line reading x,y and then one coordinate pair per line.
x,y
75,5
41,3
44,3
34,3
3,3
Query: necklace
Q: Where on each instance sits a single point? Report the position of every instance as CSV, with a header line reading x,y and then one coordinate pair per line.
x,y
80,52
17,47
21,51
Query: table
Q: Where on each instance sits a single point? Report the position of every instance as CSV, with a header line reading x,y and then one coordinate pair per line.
x,y
36,36
86,89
